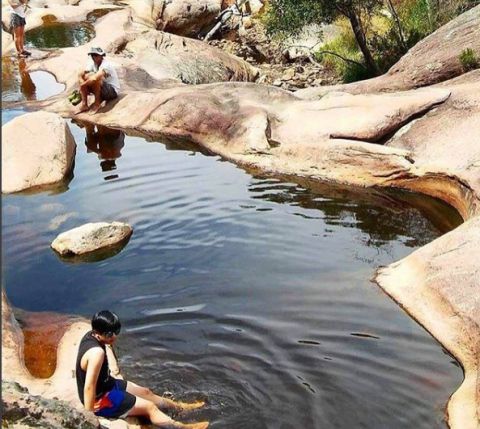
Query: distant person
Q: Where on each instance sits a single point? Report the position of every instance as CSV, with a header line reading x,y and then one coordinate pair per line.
x,y
17,25
114,397
98,78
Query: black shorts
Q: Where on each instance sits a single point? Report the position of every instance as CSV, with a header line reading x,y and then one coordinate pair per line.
x,y
116,403
17,21
107,92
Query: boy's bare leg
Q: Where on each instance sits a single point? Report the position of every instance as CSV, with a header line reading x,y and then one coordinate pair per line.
x,y
84,90
146,408
160,401
97,90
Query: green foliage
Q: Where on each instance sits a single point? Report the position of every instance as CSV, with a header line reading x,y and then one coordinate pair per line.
x,y
345,46
387,38
288,17
469,60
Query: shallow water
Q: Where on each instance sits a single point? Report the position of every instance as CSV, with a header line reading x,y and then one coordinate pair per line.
x,y
59,35
19,85
249,291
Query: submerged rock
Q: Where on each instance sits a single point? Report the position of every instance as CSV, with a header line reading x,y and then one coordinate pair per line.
x,y
91,237
37,149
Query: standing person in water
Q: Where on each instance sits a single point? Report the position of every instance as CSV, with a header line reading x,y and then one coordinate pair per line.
x,y
17,25
114,397
98,78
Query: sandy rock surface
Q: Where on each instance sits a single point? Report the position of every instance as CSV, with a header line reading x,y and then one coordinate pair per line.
x,y
182,17
20,409
90,237
154,54
37,149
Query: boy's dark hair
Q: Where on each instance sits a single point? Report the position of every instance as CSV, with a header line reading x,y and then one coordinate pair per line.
x,y
106,323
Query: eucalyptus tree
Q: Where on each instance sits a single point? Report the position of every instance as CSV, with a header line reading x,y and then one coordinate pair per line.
x,y
290,16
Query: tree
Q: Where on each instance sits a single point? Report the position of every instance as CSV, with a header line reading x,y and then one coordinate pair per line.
x,y
290,16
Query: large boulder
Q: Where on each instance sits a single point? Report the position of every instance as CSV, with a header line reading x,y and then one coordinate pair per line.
x,y
182,17
37,149
91,237
166,56
439,285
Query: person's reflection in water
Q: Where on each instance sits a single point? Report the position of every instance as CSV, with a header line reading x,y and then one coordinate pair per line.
x,y
26,83
107,143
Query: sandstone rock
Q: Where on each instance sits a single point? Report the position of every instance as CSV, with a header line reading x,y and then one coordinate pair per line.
x,y
152,54
165,56
289,74
20,409
37,149
181,17
90,237
445,140
439,285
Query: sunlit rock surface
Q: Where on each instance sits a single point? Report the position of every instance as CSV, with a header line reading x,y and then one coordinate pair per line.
x,y
182,17
37,149
62,383
20,409
160,55
439,284
91,237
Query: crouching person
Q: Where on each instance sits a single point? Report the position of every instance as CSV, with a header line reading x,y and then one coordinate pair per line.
x,y
112,397
100,79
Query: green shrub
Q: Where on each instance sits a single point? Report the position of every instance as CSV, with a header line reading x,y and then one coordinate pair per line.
x,y
345,46
469,60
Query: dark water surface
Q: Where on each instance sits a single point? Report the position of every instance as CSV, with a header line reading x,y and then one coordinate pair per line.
x,y
249,291
55,34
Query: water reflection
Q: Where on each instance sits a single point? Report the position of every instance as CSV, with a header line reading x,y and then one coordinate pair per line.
x,y
107,143
374,211
18,84
16,80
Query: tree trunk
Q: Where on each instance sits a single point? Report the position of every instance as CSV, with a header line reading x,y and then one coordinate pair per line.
x,y
362,43
399,25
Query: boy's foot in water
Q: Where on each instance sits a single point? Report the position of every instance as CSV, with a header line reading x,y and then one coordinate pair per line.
x,y
188,406
199,425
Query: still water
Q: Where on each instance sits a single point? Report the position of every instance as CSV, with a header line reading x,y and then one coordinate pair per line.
x,y
252,292
19,84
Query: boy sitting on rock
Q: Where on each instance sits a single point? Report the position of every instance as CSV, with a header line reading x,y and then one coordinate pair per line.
x,y
113,397
100,79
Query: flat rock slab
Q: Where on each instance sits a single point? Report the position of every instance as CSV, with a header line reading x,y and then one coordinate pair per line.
x,y
37,149
91,237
